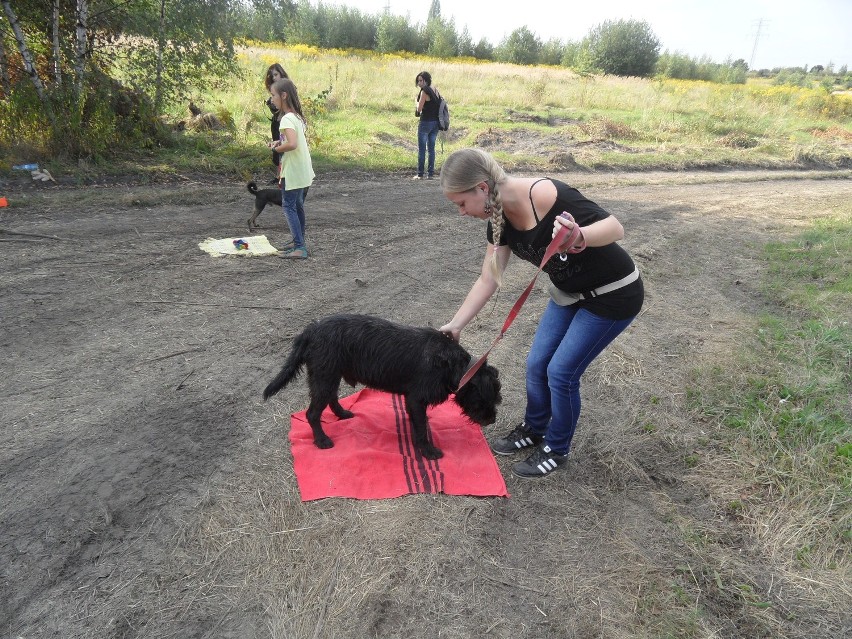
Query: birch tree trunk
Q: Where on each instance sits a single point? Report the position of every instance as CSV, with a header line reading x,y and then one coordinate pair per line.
x,y
29,67
4,69
80,46
57,58
161,44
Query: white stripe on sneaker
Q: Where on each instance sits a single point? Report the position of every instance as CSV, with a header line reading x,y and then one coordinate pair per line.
x,y
548,465
523,443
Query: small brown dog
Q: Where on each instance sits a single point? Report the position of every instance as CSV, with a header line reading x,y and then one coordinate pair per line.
x,y
262,197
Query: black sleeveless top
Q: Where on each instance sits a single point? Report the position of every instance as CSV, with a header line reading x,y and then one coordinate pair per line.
x,y
578,272
430,107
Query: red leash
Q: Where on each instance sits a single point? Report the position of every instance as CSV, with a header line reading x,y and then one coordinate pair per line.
x,y
552,248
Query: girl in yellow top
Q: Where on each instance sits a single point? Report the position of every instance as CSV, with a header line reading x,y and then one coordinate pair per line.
x,y
297,172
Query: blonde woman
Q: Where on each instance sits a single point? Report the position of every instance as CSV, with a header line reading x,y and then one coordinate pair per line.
x,y
596,292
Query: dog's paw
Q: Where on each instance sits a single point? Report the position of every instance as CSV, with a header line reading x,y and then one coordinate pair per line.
x,y
325,442
430,452
345,414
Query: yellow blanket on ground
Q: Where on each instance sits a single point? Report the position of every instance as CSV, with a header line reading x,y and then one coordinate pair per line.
x,y
250,246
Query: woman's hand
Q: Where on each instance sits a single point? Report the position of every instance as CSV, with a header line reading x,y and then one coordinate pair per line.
x,y
562,222
451,332
575,241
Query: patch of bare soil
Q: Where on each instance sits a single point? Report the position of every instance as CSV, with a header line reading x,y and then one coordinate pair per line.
x,y
148,491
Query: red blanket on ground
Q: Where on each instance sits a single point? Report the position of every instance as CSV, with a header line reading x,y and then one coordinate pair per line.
x,y
374,458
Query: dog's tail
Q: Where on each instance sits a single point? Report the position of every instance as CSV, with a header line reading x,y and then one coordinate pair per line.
x,y
252,188
291,367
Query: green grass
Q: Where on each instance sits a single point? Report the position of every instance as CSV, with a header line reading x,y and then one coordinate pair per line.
x,y
366,119
786,414
667,124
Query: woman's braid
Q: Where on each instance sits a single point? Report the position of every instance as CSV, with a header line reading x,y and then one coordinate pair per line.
x,y
497,220
463,171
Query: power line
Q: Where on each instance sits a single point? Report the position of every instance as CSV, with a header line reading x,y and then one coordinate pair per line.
x,y
756,39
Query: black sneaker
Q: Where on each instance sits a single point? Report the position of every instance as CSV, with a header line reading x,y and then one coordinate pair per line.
x,y
542,462
521,437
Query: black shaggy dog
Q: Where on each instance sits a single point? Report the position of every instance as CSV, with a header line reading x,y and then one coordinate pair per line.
x,y
262,197
422,364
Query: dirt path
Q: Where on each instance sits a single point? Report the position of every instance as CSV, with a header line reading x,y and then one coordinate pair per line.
x,y
147,491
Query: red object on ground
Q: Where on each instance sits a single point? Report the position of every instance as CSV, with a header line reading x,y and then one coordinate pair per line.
x,y
4,201
374,458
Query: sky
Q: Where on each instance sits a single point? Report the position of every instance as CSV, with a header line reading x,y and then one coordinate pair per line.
x,y
764,33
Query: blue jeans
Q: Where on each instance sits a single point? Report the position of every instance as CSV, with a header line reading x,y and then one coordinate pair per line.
x,y
293,203
568,338
427,132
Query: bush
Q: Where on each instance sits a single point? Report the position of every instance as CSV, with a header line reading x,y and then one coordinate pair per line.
x,y
109,116
521,47
623,47
681,67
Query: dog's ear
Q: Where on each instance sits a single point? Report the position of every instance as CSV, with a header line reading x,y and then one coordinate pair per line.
x,y
490,383
481,395
452,360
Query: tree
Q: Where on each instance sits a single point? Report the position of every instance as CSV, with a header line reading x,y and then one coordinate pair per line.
x,y
345,28
5,80
304,28
26,56
730,72
465,43
483,50
441,38
57,55
434,11
551,52
266,19
623,47
80,42
740,64
387,38
185,46
394,33
521,47
574,55
179,46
